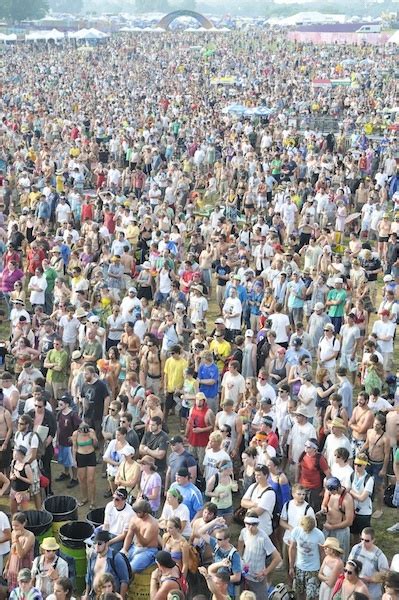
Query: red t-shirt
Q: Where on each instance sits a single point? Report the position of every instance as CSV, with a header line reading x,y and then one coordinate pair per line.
x,y
272,439
310,475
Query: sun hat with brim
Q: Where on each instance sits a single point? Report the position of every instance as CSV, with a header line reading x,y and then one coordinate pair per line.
x,y
146,265
333,544
50,543
56,249
24,575
80,313
337,422
76,355
302,411
18,301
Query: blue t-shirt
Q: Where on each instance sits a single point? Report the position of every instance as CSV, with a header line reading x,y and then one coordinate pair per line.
x,y
192,497
235,560
209,372
307,551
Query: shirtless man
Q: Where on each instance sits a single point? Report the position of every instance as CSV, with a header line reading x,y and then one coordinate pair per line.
x,y
210,518
338,505
361,421
151,368
145,530
5,437
377,446
11,397
103,560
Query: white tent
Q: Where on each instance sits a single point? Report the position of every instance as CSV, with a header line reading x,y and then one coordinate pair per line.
x,y
55,34
8,38
394,39
88,34
44,35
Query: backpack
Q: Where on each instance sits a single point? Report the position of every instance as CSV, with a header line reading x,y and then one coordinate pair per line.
x,y
194,559
41,449
229,557
376,556
281,592
275,515
127,563
286,507
352,477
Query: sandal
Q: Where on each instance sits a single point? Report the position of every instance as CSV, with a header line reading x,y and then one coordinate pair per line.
x,y
82,503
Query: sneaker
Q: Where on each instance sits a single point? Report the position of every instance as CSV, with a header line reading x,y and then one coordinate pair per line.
x,y
73,483
62,477
394,528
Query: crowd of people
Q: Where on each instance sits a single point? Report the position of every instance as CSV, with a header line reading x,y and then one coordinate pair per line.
x,y
200,307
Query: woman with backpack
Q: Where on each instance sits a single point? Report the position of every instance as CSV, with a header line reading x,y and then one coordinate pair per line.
x,y
220,487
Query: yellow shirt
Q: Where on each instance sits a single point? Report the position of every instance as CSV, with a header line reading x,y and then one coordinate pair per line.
x,y
222,349
174,371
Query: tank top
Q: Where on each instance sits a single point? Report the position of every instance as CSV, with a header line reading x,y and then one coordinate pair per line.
x,y
197,419
229,420
18,485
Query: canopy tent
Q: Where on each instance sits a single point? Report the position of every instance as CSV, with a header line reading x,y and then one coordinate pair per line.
x,y
44,35
8,38
88,34
234,109
258,111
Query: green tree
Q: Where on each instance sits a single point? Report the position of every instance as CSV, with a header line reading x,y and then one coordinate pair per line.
x,y
18,10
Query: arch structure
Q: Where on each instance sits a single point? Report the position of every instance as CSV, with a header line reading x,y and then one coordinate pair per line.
x,y
167,19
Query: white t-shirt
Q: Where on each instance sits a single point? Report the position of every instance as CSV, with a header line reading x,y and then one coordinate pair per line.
x,y
384,329
233,386
297,437
327,347
70,329
343,474
4,524
37,297
293,513
379,405
332,444
266,391
265,499
309,394
118,520
359,485
210,461
182,512
279,323
233,306
198,306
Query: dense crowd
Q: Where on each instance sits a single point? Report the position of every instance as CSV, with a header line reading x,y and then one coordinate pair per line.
x,y
200,307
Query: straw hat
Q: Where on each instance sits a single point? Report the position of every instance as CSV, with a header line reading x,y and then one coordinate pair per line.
x,y
337,422
333,544
50,543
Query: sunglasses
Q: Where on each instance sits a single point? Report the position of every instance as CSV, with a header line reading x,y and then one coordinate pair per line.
x,y
348,572
262,378
365,540
222,539
112,409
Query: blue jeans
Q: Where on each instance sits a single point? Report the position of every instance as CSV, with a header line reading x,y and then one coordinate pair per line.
x,y
141,558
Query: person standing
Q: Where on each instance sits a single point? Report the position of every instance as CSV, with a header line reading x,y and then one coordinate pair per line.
x,y
336,299
174,370
338,506
21,553
45,427
305,558
48,567
95,400
200,424
155,444
68,421
378,448
208,380
56,363
256,551
373,562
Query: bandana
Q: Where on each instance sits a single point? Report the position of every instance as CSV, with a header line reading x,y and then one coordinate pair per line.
x,y
251,520
310,444
360,461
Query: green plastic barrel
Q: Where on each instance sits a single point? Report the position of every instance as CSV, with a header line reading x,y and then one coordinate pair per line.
x,y
72,543
63,509
139,589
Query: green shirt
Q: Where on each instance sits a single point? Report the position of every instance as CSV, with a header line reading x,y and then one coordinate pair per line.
x,y
337,310
61,359
51,275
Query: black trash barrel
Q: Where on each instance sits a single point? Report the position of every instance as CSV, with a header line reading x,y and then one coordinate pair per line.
x,y
63,509
96,517
40,523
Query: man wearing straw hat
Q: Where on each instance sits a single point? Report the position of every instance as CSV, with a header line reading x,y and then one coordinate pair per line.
x,y
48,567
